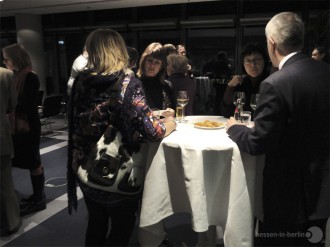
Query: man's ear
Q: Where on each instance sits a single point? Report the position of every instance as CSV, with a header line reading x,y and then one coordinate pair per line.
x,y
271,44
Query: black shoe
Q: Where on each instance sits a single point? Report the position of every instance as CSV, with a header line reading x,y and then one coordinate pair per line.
x,y
32,207
166,242
6,233
27,199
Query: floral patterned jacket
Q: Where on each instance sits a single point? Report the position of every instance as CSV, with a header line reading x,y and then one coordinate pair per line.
x,y
95,102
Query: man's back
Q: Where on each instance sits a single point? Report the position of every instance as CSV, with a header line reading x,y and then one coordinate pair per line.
x,y
297,160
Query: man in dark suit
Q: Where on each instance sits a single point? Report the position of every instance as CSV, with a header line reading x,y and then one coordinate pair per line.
x,y
292,130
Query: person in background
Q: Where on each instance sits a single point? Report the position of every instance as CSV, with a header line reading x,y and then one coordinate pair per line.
x,y
182,51
78,65
320,53
222,66
177,67
222,75
27,143
254,59
10,213
152,72
169,49
133,59
291,128
90,114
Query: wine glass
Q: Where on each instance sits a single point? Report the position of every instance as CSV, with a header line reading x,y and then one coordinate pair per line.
x,y
239,101
182,100
239,97
253,101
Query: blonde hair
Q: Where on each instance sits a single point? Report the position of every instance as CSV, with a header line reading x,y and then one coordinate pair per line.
x,y
18,55
107,52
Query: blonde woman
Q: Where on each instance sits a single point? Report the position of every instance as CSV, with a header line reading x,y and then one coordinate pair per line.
x,y
108,102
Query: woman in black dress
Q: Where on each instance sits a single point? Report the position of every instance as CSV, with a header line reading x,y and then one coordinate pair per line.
x,y
26,142
152,73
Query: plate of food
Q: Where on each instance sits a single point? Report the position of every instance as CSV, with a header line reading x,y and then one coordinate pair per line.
x,y
209,124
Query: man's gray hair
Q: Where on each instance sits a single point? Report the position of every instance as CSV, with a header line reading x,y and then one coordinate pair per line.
x,y
287,30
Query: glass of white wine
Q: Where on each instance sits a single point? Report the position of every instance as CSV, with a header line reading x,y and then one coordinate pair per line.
x,y
253,101
182,100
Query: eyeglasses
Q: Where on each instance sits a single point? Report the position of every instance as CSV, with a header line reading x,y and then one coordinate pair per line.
x,y
257,60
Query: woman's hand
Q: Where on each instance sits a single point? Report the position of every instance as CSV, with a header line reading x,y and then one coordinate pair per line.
x,y
237,79
169,112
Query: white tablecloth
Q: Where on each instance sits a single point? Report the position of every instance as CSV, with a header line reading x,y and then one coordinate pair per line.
x,y
201,172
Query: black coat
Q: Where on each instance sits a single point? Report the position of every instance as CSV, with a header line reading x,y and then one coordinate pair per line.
x,y
292,129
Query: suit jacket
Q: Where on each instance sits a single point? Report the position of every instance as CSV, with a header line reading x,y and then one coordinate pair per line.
x,y
292,129
7,105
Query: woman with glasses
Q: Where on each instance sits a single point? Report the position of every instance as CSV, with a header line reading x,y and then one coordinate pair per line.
x,y
255,69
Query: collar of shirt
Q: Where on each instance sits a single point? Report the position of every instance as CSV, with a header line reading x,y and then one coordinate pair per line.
x,y
286,58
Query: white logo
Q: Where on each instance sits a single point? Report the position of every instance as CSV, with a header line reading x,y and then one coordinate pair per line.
x,y
314,234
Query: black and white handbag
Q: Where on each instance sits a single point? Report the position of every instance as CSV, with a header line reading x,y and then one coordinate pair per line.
x,y
110,166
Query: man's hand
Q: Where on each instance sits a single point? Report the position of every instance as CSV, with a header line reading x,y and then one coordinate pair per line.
x,y
231,121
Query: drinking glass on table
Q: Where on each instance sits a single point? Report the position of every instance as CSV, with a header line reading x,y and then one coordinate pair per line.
x,y
239,101
182,100
246,118
253,101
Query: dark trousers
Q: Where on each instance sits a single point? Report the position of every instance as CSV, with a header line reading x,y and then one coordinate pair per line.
x,y
311,233
122,217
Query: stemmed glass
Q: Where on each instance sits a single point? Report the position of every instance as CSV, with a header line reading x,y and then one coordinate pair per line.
x,y
239,101
182,100
253,101
239,98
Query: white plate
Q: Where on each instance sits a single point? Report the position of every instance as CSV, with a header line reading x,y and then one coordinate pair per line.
x,y
209,128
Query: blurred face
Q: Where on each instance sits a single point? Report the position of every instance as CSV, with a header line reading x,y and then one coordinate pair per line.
x,y
317,56
8,62
182,50
254,64
152,66
169,69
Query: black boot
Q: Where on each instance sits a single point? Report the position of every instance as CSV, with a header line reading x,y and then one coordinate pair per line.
x,y
38,201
